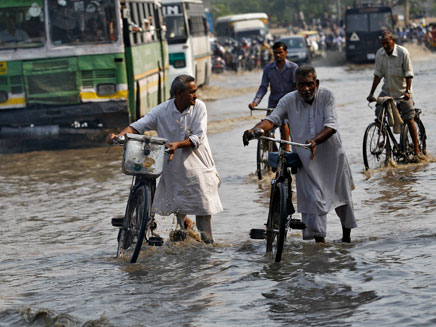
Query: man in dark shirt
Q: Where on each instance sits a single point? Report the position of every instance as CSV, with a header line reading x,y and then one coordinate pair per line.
x,y
279,76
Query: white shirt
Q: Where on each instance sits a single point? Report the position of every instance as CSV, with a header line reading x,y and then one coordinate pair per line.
x,y
326,180
189,183
394,69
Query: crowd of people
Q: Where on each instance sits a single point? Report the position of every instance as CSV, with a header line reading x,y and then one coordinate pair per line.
x,y
189,183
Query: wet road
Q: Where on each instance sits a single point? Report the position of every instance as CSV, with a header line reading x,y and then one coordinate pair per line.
x,y
57,245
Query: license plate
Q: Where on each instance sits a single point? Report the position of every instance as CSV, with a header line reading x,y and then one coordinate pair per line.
x,y
370,56
3,67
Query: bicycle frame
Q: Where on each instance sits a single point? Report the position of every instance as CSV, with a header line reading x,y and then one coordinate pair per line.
x,y
384,125
281,207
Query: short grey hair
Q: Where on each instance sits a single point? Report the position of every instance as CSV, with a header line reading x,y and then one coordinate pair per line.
x,y
389,35
304,71
179,84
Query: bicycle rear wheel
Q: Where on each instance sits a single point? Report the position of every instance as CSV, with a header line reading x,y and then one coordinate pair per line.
x,y
276,228
135,223
406,139
376,147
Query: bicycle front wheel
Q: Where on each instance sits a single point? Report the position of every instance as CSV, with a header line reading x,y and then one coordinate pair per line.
x,y
135,223
277,226
376,147
406,139
262,158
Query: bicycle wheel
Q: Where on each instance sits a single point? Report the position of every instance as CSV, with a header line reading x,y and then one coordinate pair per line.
x,y
262,158
376,147
406,139
276,229
135,223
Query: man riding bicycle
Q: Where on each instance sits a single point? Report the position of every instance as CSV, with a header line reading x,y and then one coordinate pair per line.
x,y
392,62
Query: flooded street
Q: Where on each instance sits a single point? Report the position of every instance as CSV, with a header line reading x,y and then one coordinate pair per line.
x,y
57,249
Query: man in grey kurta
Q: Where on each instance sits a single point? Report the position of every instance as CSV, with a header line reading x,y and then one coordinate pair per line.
x,y
189,182
324,180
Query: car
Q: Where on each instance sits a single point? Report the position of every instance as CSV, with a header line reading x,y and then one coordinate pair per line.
x,y
298,51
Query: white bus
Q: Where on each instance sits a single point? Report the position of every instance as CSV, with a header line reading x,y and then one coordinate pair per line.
x,y
251,25
188,39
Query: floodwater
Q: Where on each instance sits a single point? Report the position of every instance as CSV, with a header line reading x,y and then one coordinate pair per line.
x,y
57,248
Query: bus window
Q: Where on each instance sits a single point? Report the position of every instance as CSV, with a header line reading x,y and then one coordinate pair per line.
x,y
22,26
152,19
76,23
175,22
380,22
357,23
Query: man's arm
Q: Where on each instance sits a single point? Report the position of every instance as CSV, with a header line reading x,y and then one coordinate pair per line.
x,y
265,124
128,129
375,83
263,88
406,94
323,136
173,146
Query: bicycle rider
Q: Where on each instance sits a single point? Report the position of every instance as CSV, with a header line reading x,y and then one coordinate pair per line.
x,y
189,182
324,180
393,63
279,75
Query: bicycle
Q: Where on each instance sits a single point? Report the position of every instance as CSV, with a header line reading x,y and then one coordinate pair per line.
x,y
263,149
380,144
281,208
143,158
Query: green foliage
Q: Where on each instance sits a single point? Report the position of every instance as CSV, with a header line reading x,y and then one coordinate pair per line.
x,y
281,12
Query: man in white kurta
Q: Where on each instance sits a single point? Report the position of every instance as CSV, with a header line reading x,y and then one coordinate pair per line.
x,y
324,180
189,182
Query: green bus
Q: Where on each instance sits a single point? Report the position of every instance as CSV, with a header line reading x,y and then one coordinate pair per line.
x,y
80,64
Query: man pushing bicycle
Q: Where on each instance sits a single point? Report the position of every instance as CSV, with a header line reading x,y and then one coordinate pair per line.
x,y
324,180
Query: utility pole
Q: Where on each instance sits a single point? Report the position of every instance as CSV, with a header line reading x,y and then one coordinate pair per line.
x,y
406,12
338,4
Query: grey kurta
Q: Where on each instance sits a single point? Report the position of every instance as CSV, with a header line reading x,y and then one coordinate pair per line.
x,y
189,183
326,180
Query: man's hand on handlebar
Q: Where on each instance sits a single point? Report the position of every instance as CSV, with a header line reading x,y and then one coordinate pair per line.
x,y
312,146
110,138
247,136
371,98
252,105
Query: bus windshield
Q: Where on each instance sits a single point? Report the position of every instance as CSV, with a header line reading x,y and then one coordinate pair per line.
x,y
372,22
77,22
21,26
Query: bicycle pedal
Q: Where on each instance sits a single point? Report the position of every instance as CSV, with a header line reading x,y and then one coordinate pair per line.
x,y
118,222
155,241
297,224
257,234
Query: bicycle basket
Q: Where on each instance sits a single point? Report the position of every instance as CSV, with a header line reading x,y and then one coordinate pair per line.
x,y
143,155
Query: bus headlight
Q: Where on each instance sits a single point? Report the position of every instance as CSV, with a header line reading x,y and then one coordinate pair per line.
x,y
179,64
3,96
105,89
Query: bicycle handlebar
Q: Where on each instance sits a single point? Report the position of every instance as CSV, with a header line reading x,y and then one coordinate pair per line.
x,y
269,110
119,140
381,100
300,145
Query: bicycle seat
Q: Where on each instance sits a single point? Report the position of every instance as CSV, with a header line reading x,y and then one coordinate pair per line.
x,y
292,159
